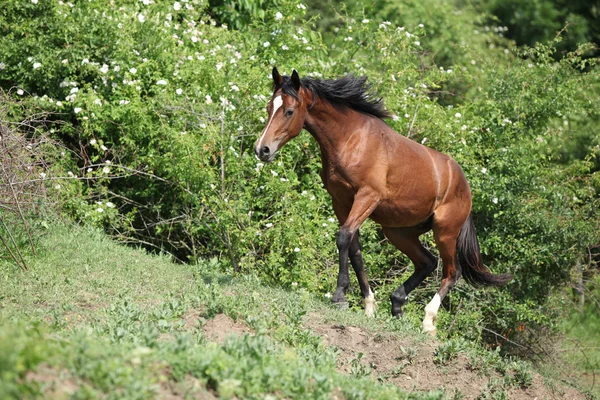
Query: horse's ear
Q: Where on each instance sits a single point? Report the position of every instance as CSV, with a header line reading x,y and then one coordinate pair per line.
x,y
296,80
277,79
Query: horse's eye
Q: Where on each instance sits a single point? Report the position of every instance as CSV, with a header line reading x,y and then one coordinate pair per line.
x,y
289,112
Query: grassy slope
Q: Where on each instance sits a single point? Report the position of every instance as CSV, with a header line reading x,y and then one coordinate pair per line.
x,y
95,319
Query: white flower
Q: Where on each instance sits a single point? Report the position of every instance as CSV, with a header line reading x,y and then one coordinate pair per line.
x,y
406,115
110,205
37,65
65,61
365,21
268,225
100,209
57,186
274,173
179,91
74,90
104,148
34,1
295,283
278,15
266,44
43,175
59,103
85,61
20,92
177,6
106,170
93,142
495,200
208,99
331,219
284,47
104,68
98,102
301,6
327,295
132,70
235,88
161,82
141,17
484,170
458,115
417,43
219,66
77,110
421,25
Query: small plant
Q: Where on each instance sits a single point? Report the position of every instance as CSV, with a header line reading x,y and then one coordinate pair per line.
x,y
408,353
523,375
359,369
448,351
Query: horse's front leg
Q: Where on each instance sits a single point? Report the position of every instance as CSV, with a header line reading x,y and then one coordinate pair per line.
x,y
356,259
365,202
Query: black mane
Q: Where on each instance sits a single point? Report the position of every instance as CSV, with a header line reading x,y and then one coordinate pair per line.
x,y
348,91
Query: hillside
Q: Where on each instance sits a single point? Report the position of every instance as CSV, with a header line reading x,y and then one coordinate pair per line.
x,y
94,319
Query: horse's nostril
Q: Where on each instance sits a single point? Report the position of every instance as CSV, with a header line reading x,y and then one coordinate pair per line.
x,y
265,150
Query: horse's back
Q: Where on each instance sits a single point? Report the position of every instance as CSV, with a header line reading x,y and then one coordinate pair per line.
x,y
419,179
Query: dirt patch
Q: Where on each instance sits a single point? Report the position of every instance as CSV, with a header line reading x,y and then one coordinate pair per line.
x,y
221,327
53,383
189,387
192,320
410,365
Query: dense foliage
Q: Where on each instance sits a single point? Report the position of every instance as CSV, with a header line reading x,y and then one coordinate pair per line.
x,y
161,102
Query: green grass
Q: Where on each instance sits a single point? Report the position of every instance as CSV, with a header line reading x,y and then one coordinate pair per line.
x,y
94,319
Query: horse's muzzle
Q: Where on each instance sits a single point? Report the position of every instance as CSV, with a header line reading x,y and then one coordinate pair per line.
x,y
264,153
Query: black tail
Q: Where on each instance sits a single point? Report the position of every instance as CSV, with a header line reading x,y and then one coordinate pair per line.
x,y
468,257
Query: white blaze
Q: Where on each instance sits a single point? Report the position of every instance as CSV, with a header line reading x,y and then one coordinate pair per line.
x,y
277,103
431,311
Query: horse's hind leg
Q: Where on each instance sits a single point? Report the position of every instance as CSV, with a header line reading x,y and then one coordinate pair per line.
x,y
425,263
446,227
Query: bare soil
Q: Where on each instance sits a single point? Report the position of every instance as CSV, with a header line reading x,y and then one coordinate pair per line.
x,y
410,366
221,327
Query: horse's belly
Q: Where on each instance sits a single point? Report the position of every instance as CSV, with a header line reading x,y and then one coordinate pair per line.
x,y
408,214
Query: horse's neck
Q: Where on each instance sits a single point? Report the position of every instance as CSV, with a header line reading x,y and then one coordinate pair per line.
x,y
332,128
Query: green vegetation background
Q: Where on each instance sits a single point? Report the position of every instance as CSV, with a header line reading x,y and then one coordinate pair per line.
x,y
157,105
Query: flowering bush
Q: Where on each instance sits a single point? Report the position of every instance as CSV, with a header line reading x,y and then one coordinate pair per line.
x,y
170,102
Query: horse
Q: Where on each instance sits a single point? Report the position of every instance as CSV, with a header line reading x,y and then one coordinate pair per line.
x,y
371,171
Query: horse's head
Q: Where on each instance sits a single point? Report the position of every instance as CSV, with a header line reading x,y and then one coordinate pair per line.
x,y
287,111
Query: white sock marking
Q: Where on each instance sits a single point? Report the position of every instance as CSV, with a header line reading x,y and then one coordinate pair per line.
x,y
277,103
370,305
431,311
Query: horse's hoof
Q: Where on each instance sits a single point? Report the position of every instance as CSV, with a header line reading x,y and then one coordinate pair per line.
x,y
432,332
341,305
429,329
397,312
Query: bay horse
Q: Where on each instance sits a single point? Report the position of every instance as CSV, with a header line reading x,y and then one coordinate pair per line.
x,y
371,171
